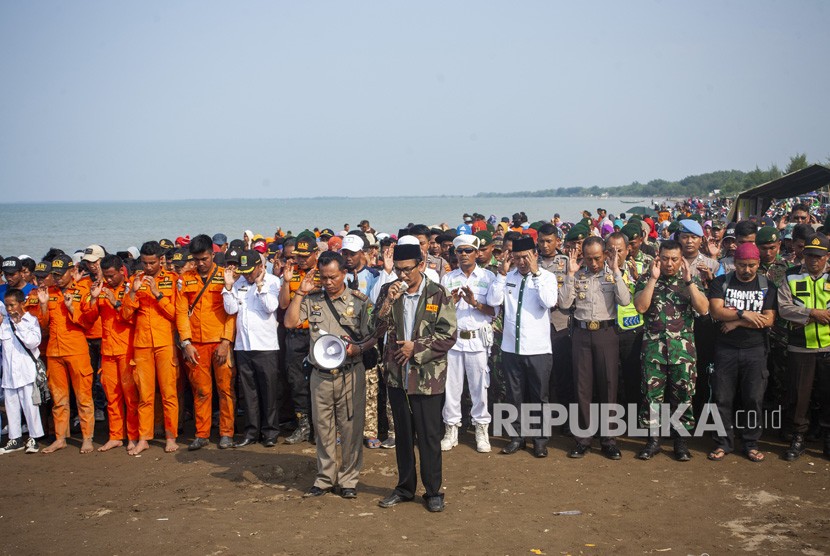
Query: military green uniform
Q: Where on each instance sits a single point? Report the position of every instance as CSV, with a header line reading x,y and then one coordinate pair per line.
x,y
669,353
338,397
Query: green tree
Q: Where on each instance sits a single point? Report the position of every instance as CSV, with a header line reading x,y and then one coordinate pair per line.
x,y
797,162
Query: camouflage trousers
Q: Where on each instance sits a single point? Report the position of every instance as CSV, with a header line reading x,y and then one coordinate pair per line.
x,y
370,428
497,392
679,379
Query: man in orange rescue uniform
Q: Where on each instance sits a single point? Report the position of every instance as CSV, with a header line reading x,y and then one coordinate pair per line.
x,y
152,297
106,302
206,334
67,354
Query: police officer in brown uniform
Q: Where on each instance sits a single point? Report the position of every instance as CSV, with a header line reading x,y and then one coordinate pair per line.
x,y
595,290
338,396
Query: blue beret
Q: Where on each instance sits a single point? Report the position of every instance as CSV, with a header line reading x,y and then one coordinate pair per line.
x,y
690,227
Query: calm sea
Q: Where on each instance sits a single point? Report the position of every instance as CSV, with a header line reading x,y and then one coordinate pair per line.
x,y
33,228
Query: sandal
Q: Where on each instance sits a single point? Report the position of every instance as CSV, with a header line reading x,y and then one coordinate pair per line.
x,y
717,454
371,443
755,455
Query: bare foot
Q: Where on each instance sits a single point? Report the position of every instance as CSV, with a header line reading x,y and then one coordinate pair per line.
x,y
140,446
110,445
171,446
87,446
58,444
130,446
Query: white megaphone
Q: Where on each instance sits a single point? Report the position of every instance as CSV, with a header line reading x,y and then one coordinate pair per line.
x,y
329,352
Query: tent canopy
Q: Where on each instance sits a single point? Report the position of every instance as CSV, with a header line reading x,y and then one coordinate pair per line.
x,y
757,200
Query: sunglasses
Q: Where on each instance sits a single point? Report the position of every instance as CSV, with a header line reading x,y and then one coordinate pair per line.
x,y
465,251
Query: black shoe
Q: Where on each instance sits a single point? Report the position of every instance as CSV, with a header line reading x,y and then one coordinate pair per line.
x,y
392,500
513,447
797,447
315,491
827,446
270,442
225,442
435,503
198,444
681,450
540,450
652,448
348,493
303,431
611,452
245,442
579,451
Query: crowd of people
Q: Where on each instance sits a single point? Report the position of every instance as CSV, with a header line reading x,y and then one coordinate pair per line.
x,y
439,324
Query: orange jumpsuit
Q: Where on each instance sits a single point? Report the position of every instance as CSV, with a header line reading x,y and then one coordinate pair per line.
x,y
117,374
206,325
67,356
155,353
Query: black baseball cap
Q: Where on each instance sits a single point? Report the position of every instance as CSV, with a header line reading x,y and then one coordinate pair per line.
x,y
248,261
12,265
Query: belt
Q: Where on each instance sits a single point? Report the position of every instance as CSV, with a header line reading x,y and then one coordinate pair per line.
x,y
342,369
593,325
467,334
296,331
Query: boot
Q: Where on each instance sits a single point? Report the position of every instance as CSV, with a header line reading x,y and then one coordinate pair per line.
x,y
681,450
450,439
303,431
652,447
796,448
482,438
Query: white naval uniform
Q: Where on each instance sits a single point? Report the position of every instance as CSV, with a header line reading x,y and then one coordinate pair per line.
x,y
468,355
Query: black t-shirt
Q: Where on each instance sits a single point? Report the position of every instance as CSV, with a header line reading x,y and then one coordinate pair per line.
x,y
746,296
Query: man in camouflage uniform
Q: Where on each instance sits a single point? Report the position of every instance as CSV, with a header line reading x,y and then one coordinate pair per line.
x,y
420,325
774,268
668,297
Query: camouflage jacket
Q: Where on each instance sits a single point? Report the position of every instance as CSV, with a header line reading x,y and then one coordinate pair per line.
x,y
669,336
776,272
434,335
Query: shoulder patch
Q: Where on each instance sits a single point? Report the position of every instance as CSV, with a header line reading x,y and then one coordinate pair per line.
x,y
360,295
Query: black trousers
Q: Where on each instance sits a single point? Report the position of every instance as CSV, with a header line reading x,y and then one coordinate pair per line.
x,y
705,334
745,368
561,389
596,361
296,350
258,382
528,381
804,368
99,398
417,419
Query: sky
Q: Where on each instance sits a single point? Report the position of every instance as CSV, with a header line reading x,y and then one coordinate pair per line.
x,y
176,100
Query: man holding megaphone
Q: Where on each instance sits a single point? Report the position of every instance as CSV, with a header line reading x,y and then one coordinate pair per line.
x,y
338,321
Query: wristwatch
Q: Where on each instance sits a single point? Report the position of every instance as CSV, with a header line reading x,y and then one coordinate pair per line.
x,y
159,296
740,313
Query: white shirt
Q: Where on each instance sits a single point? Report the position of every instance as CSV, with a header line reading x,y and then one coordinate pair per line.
x,y
256,313
527,303
18,368
467,316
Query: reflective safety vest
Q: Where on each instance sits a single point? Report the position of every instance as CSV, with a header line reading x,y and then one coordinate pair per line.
x,y
627,316
812,294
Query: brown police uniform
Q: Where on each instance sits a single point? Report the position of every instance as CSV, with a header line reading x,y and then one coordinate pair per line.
x,y
596,350
338,397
